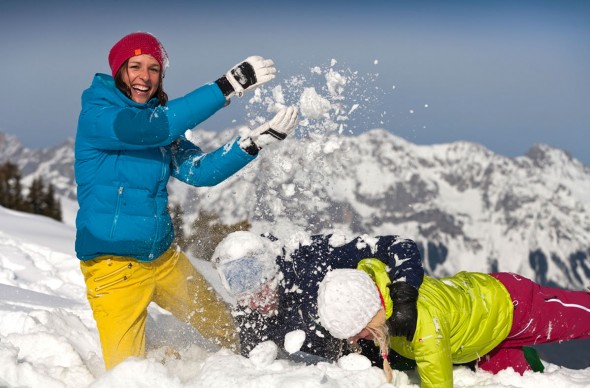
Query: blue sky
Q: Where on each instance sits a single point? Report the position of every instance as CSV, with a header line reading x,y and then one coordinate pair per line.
x,y
505,74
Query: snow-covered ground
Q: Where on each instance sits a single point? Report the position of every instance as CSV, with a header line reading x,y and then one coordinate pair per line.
x,y
48,336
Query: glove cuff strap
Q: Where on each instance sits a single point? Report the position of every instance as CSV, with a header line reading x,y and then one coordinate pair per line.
x,y
277,135
238,89
225,86
248,145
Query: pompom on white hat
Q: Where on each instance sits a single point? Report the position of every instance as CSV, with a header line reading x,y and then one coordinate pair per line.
x,y
347,301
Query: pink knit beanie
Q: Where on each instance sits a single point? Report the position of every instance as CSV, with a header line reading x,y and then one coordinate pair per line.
x,y
137,43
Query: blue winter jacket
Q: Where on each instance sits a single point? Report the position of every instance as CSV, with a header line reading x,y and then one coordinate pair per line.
x,y
125,153
304,269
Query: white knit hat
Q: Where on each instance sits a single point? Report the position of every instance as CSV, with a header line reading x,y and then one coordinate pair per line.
x,y
347,301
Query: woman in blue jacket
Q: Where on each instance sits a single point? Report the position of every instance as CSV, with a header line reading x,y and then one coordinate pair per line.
x,y
129,141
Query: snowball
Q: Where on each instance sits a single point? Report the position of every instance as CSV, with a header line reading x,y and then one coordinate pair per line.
x,y
335,83
277,93
294,340
354,361
263,354
313,105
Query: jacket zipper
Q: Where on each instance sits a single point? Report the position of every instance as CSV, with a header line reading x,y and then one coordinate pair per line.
x,y
164,152
156,234
117,211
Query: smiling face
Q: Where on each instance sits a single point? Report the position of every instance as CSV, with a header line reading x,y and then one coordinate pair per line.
x,y
142,76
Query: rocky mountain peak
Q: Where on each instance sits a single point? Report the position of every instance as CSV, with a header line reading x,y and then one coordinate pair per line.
x,y
467,207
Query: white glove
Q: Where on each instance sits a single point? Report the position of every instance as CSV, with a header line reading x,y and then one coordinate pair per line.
x,y
278,128
252,72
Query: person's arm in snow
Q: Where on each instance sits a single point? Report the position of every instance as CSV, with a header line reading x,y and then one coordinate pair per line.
x,y
190,165
164,124
113,126
403,259
401,255
431,350
406,273
273,131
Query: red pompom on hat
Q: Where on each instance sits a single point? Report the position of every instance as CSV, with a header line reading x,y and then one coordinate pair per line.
x,y
137,43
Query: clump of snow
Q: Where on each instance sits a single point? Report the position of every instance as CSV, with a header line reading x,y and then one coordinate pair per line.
x,y
354,361
312,105
335,83
338,239
294,340
263,354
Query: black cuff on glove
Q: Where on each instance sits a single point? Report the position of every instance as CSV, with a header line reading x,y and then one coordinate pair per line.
x,y
402,322
250,147
225,86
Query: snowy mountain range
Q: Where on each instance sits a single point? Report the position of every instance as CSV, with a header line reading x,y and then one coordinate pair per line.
x,y
467,207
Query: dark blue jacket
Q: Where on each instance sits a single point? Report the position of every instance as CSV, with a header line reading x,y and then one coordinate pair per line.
x,y
125,153
302,272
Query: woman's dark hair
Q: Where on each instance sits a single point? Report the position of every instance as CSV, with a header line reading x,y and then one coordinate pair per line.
x,y
122,86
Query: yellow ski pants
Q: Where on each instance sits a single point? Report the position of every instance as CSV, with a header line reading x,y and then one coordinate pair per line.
x,y
120,289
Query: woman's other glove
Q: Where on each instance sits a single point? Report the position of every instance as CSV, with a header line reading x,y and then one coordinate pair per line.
x,y
278,128
252,72
402,322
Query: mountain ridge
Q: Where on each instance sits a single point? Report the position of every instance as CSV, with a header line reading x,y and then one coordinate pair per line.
x,y
467,207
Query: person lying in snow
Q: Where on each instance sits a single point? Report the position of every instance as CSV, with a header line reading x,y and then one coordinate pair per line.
x,y
276,286
470,316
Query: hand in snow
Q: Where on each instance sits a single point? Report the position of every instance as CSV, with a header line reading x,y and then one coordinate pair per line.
x,y
278,128
402,322
252,72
